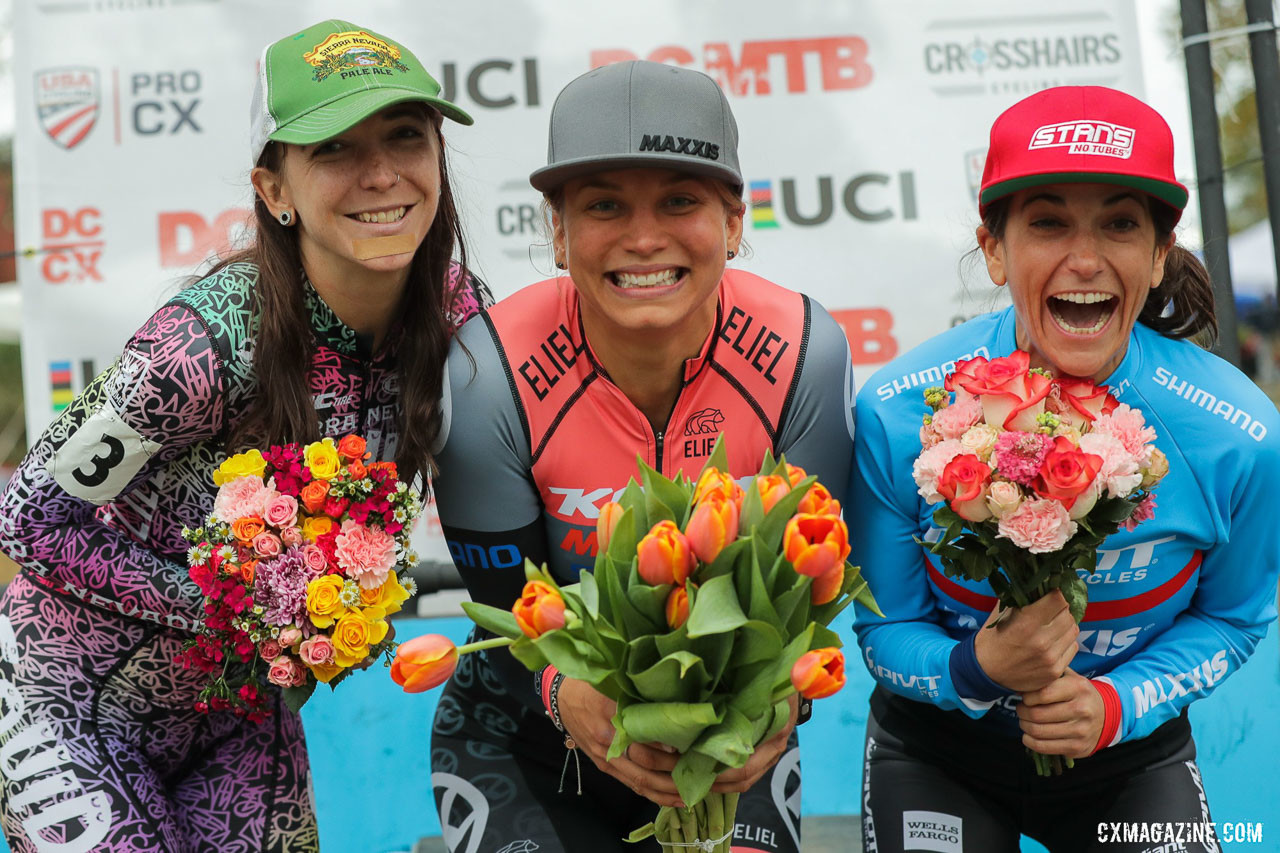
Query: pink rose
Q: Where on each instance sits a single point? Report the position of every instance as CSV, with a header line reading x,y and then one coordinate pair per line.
x,y
1066,473
1119,471
1129,426
240,498
291,536
266,545
963,484
314,559
269,649
1038,526
366,554
1012,397
1081,401
286,672
316,650
281,511
954,420
929,465
965,370
290,636
1003,498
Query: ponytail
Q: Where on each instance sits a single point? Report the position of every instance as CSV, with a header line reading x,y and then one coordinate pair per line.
x,y
1182,306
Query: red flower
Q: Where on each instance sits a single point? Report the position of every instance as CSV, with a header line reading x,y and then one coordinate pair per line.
x,y
1066,473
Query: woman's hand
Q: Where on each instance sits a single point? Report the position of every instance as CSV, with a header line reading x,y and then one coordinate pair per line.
x,y
1030,647
587,715
1063,718
739,779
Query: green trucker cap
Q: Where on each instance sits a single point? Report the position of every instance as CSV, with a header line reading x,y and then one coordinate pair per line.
x,y
315,84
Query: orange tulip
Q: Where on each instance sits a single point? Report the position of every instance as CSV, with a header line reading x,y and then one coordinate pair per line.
x,y
714,524
424,662
715,480
795,474
539,610
678,607
815,544
244,529
772,489
818,501
826,587
664,555
610,515
819,673
313,495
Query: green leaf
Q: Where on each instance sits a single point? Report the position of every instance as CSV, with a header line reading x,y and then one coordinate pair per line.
x,y
716,608
500,622
793,602
633,499
622,545
296,697
663,498
621,740
752,511
528,654
573,657
590,593
727,561
760,605
694,775
730,742
775,522
642,833
719,458
650,601
678,677
676,724
825,638
756,641
1076,594
753,688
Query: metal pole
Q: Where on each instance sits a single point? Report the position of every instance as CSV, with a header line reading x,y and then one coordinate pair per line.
x,y
1266,78
1213,207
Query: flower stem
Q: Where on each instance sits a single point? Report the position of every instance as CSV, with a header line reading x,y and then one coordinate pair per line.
x,y
481,645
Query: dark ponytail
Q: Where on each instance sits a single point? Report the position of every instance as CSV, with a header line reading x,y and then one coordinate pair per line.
x,y
1182,306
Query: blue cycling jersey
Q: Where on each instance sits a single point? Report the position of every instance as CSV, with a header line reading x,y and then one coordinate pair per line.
x,y
1175,606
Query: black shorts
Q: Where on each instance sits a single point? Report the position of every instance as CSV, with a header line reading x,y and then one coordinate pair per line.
x,y
938,780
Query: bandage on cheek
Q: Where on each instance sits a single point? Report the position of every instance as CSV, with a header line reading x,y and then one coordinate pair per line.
x,y
380,247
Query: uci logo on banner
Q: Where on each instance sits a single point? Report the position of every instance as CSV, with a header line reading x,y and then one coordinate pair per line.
x,y
67,103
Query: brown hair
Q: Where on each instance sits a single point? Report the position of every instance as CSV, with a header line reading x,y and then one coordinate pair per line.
x,y
1182,306
282,409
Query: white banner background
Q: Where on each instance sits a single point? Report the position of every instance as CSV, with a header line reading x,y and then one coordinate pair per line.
x,y
863,132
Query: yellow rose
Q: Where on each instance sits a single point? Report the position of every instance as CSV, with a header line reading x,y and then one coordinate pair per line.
x,y
324,603
390,596
249,464
313,528
351,638
325,672
322,459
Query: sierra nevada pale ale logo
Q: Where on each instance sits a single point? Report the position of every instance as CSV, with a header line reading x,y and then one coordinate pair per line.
x,y
354,53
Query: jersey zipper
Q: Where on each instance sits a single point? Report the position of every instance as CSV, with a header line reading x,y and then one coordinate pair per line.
x,y
658,467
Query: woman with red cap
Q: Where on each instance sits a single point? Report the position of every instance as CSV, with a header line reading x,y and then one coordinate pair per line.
x,y
1078,205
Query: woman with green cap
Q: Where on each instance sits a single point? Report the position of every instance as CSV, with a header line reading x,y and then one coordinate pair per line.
x,y
336,320
646,345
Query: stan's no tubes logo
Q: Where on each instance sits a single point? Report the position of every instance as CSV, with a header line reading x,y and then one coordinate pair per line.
x,y
1085,137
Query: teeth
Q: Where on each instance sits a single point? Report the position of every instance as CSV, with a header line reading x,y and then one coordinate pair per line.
x,y
383,215
1076,330
653,279
1083,298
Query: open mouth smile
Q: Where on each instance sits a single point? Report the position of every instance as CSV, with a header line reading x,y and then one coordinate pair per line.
x,y
1082,313
394,214
659,278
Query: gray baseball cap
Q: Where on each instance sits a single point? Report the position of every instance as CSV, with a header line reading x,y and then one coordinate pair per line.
x,y
640,113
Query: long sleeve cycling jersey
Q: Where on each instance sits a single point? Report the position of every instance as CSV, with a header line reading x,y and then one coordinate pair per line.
x,y
1175,606
537,438
97,507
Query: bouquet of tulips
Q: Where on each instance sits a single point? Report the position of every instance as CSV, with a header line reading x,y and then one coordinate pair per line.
x,y
707,609
1035,472
299,564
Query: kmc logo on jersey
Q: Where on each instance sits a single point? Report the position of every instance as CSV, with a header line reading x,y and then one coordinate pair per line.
x,y
67,103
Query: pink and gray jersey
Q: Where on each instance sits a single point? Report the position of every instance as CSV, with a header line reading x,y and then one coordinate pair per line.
x,y
98,505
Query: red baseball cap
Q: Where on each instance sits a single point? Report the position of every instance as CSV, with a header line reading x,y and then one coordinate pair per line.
x,y
1080,134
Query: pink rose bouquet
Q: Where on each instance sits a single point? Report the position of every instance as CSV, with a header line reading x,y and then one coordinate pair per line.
x,y
301,563
1032,473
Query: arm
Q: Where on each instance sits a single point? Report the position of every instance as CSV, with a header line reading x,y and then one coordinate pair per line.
x,y
164,394
488,503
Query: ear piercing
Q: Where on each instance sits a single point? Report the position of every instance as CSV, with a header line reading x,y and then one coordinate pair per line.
x,y
286,218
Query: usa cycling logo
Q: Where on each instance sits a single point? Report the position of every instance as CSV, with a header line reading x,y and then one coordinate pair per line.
x,y
1085,137
67,103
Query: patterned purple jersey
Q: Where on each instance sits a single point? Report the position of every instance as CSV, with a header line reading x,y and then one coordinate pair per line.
x,y
97,507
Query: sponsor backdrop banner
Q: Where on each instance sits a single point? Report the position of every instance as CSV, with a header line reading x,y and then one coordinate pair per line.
x,y
863,135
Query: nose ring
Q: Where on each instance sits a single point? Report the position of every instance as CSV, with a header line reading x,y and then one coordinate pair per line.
x,y
397,180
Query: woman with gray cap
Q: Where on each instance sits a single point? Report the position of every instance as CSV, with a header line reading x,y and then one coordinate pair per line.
x,y
336,320
645,345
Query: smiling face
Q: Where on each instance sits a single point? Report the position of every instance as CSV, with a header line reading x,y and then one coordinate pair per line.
x,y
646,249
1079,260
346,189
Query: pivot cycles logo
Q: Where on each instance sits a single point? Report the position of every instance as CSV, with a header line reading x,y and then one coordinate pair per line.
x,y
1023,55
67,104
752,67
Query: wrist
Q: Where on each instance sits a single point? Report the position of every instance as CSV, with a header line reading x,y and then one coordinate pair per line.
x,y
548,682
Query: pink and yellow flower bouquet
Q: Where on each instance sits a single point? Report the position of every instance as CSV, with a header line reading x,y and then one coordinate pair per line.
x,y
301,562
1033,472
